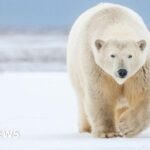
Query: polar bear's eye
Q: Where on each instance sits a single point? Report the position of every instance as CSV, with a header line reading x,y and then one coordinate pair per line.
x,y
112,56
130,56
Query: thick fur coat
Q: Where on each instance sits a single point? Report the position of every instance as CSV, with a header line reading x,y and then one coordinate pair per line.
x,y
108,107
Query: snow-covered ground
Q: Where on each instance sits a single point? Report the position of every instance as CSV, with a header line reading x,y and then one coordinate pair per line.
x,y
38,112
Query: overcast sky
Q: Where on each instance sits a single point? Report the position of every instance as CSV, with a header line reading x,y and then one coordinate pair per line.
x,y
56,13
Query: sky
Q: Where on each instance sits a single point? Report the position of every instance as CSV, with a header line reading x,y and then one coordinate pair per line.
x,y
56,13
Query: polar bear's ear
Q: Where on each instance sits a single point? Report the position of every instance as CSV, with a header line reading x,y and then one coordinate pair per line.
x,y
142,44
99,44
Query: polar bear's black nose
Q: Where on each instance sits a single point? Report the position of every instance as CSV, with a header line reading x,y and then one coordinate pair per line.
x,y
122,73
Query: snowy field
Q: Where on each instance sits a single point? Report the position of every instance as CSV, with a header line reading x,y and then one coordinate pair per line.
x,y
38,108
38,112
33,51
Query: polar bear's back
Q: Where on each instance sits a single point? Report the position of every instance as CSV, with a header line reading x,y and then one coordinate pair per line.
x,y
103,15
107,11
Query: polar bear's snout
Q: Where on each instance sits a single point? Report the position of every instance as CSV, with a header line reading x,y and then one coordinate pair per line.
x,y
122,73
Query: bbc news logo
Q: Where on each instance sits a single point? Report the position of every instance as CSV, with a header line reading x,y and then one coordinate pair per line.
x,y
9,133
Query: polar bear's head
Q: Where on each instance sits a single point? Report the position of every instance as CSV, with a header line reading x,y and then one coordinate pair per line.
x,y
120,58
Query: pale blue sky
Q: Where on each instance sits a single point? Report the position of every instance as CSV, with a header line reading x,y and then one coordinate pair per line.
x,y
56,13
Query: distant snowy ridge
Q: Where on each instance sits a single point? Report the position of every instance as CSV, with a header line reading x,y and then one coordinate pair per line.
x,y
35,51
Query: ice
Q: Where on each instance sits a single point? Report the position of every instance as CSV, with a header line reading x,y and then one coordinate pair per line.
x,y
42,107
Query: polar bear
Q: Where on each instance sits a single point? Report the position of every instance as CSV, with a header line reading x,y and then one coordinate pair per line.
x,y
109,66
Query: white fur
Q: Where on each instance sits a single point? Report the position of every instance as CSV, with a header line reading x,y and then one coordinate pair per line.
x,y
106,22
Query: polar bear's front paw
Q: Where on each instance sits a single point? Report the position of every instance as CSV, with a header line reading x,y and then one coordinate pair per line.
x,y
104,134
128,126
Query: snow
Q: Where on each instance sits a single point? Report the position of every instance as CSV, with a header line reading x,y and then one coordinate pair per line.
x,y
42,109
33,51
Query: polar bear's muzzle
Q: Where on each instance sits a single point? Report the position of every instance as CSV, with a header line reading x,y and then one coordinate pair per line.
x,y
122,73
